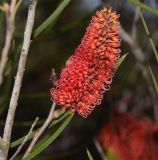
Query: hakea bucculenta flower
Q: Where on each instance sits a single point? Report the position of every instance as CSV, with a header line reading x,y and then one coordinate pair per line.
x,y
89,71
130,138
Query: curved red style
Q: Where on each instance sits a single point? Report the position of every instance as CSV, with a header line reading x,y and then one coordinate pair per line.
x,y
90,69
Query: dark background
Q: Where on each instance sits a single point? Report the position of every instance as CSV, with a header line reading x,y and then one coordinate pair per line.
x,y
51,50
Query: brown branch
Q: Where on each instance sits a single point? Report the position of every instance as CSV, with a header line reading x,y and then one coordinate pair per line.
x,y
10,18
19,77
41,130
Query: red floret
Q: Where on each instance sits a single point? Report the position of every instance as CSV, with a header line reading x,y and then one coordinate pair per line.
x,y
90,69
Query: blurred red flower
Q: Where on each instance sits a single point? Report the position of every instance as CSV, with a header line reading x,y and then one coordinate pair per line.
x,y
90,69
131,138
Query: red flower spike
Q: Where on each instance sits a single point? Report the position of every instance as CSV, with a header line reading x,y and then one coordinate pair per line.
x,y
131,138
90,70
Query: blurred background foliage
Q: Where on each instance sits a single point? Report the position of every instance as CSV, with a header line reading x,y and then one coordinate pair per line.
x,y
51,49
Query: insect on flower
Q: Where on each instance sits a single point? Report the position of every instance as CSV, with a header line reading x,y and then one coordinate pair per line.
x,y
89,71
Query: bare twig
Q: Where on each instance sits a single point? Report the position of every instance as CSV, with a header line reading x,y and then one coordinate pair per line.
x,y
25,139
10,18
19,76
41,130
99,148
133,44
141,59
134,26
17,6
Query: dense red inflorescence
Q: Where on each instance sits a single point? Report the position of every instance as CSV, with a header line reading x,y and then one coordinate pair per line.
x,y
90,69
130,138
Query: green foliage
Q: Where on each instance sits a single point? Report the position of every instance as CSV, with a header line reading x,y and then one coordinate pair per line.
x,y
154,80
122,58
46,141
51,18
148,34
111,155
20,140
59,119
40,148
89,155
143,6
18,5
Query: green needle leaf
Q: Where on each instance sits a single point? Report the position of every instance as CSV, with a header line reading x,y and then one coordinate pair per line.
x,y
122,58
89,155
54,122
40,148
20,140
154,80
51,18
60,119
143,6
148,34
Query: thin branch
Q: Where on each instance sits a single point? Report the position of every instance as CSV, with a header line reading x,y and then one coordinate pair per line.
x,y
132,43
19,76
99,149
134,26
10,18
25,139
41,130
141,59
17,5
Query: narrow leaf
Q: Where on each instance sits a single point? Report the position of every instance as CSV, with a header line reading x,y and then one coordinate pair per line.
x,y
60,119
148,34
18,5
19,141
40,148
122,58
154,80
143,6
51,18
23,123
89,155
